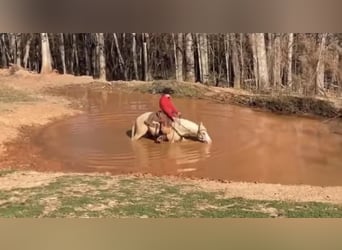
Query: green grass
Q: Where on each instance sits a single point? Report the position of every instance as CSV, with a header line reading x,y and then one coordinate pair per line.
x,y
97,196
9,95
176,89
4,172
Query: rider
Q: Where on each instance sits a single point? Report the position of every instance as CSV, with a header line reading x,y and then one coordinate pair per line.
x,y
168,108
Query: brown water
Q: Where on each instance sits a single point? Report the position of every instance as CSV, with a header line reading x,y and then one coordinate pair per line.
x,y
247,145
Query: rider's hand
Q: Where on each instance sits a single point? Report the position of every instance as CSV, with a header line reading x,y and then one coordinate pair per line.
x,y
179,114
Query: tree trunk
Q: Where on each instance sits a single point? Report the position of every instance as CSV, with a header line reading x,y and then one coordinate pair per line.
x,y
62,51
121,60
242,59
235,62
13,52
86,55
203,57
289,59
18,50
4,62
175,55
46,54
179,56
148,47
37,58
252,41
189,56
320,66
262,60
277,61
145,62
335,71
269,55
72,57
226,56
212,49
199,73
135,56
94,55
123,40
27,50
101,56
75,53
97,56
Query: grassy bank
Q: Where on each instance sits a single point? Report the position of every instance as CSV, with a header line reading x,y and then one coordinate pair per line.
x,y
129,196
9,95
277,102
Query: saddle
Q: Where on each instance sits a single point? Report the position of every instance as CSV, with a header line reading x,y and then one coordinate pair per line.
x,y
159,118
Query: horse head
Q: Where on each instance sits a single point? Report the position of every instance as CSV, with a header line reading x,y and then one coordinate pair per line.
x,y
202,134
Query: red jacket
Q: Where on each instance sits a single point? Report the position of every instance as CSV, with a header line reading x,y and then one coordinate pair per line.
x,y
167,106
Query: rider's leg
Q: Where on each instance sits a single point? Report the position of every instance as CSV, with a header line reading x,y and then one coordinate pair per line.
x,y
160,136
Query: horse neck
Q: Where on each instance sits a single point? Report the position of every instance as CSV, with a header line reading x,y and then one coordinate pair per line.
x,y
187,127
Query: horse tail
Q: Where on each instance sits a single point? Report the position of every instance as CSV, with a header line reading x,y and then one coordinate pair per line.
x,y
133,131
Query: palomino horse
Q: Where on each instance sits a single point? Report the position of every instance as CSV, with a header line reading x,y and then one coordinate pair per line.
x,y
181,129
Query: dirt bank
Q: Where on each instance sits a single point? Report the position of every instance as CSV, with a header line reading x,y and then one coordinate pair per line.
x,y
24,103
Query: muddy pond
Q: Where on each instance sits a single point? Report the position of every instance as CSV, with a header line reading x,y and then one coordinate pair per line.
x,y
248,145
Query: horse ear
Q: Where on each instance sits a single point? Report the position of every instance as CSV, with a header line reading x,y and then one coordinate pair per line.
x,y
201,124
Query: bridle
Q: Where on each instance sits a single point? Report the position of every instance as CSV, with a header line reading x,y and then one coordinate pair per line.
x,y
198,131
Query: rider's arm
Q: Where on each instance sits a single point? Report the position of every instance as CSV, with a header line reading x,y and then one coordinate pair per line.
x,y
173,109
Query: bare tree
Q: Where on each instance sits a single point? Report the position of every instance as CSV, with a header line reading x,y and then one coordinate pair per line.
x,y
62,51
145,59
148,55
121,60
101,56
135,56
75,54
336,67
277,60
255,59
242,57
298,60
235,61
86,55
226,56
18,39
262,60
3,48
94,54
320,65
203,57
189,55
46,54
12,43
289,59
179,57
27,50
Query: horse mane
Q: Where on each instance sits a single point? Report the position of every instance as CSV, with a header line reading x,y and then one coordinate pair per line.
x,y
186,126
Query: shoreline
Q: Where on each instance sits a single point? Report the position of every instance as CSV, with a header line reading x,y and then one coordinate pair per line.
x,y
51,107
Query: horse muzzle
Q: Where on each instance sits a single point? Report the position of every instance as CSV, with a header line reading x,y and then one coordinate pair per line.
x,y
207,139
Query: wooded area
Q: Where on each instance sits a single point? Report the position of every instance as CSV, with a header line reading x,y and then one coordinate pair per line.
x,y
308,64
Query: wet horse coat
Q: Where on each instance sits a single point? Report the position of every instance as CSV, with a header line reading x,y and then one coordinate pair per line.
x,y
180,129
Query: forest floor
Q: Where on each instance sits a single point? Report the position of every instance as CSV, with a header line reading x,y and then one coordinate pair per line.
x,y
24,101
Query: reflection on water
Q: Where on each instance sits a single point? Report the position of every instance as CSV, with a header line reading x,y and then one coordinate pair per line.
x,y
149,154
247,145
